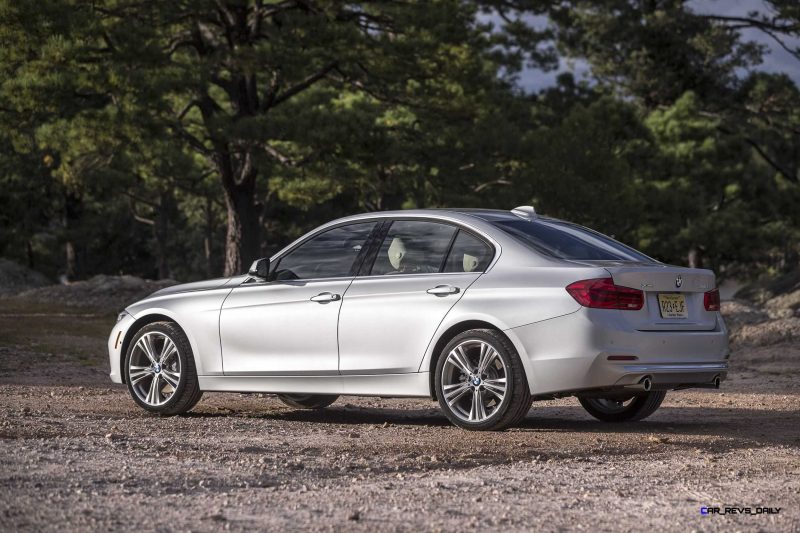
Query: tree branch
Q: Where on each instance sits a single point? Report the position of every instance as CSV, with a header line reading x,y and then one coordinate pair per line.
x,y
305,84
783,171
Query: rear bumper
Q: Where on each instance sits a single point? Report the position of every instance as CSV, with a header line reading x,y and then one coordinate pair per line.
x,y
571,354
670,376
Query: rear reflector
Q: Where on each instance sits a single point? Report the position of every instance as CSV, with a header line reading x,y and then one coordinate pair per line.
x,y
711,300
622,358
601,293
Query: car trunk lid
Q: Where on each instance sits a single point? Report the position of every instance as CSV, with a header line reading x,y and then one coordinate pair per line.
x,y
681,289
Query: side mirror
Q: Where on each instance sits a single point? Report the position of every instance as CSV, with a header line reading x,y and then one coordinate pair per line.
x,y
259,269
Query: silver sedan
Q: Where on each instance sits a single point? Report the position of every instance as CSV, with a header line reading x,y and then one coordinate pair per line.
x,y
483,310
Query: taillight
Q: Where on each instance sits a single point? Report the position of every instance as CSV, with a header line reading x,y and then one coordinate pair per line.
x,y
601,293
711,300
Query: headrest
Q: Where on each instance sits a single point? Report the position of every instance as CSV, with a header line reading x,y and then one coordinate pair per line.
x,y
397,250
470,263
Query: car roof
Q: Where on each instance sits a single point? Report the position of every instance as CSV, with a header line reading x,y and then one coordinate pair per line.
x,y
474,212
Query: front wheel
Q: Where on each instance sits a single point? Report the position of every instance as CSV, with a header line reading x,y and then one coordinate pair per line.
x,y
160,371
624,409
480,381
308,401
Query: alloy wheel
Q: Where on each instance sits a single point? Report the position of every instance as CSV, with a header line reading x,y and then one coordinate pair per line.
x,y
474,381
611,405
154,369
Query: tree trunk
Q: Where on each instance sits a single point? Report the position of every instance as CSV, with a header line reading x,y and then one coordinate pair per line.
x,y
72,213
29,253
166,207
695,257
242,239
209,235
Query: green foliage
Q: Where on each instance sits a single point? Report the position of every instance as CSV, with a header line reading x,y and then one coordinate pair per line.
x,y
182,138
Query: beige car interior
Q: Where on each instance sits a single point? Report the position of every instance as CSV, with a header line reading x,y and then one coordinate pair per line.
x,y
402,260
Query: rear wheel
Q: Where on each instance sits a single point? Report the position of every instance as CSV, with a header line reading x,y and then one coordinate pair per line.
x,y
308,401
160,371
624,409
480,381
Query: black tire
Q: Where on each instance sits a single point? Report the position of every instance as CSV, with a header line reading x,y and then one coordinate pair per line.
x,y
186,395
640,406
517,398
308,401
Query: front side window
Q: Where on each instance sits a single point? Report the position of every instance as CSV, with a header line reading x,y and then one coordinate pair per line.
x,y
468,254
413,247
569,241
330,254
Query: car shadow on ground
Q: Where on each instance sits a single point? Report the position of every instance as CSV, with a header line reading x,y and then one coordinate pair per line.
x,y
735,427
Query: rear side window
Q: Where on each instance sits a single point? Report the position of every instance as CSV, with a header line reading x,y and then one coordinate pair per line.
x,y
328,255
569,241
413,247
468,254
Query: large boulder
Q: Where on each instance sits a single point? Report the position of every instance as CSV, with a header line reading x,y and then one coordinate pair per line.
x,y
15,278
106,294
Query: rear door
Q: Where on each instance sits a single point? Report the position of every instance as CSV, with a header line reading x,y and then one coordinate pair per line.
x,y
391,312
673,297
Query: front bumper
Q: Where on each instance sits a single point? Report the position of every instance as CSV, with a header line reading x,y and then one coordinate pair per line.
x,y
571,354
115,342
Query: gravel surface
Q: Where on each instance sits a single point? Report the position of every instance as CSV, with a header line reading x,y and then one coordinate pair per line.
x,y
76,454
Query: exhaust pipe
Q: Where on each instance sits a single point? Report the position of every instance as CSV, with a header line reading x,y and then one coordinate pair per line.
x,y
645,384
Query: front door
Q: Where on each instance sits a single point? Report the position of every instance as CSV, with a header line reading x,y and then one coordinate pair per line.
x,y
288,325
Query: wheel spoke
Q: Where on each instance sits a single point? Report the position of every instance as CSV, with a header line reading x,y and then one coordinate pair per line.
x,y
487,357
167,350
171,377
459,359
154,394
146,345
138,373
453,393
496,387
477,411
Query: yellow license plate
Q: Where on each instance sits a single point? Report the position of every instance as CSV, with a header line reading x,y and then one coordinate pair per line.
x,y
672,306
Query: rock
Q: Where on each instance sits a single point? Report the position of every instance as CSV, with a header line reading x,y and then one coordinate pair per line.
x,y
767,333
100,293
15,277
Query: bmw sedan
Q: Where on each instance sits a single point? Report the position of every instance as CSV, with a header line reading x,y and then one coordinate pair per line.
x,y
482,310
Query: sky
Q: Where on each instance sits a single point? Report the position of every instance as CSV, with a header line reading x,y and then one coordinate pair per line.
x,y
775,59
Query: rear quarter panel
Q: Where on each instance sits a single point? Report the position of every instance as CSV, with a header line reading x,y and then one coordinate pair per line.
x,y
513,296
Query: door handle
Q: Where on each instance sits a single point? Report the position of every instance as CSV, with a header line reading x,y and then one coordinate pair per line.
x,y
325,297
443,290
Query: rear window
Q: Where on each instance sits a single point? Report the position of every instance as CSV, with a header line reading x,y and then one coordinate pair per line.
x,y
569,241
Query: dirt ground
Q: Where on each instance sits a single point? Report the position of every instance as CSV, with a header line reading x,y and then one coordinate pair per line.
x,y
75,453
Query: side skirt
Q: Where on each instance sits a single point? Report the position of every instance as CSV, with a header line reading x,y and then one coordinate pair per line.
x,y
389,385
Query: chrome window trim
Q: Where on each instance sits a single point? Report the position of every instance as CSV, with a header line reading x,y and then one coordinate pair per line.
x,y
377,217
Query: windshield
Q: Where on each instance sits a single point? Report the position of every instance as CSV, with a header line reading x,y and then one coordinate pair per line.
x,y
569,241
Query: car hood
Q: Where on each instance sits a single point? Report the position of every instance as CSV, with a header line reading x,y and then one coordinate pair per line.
x,y
199,286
